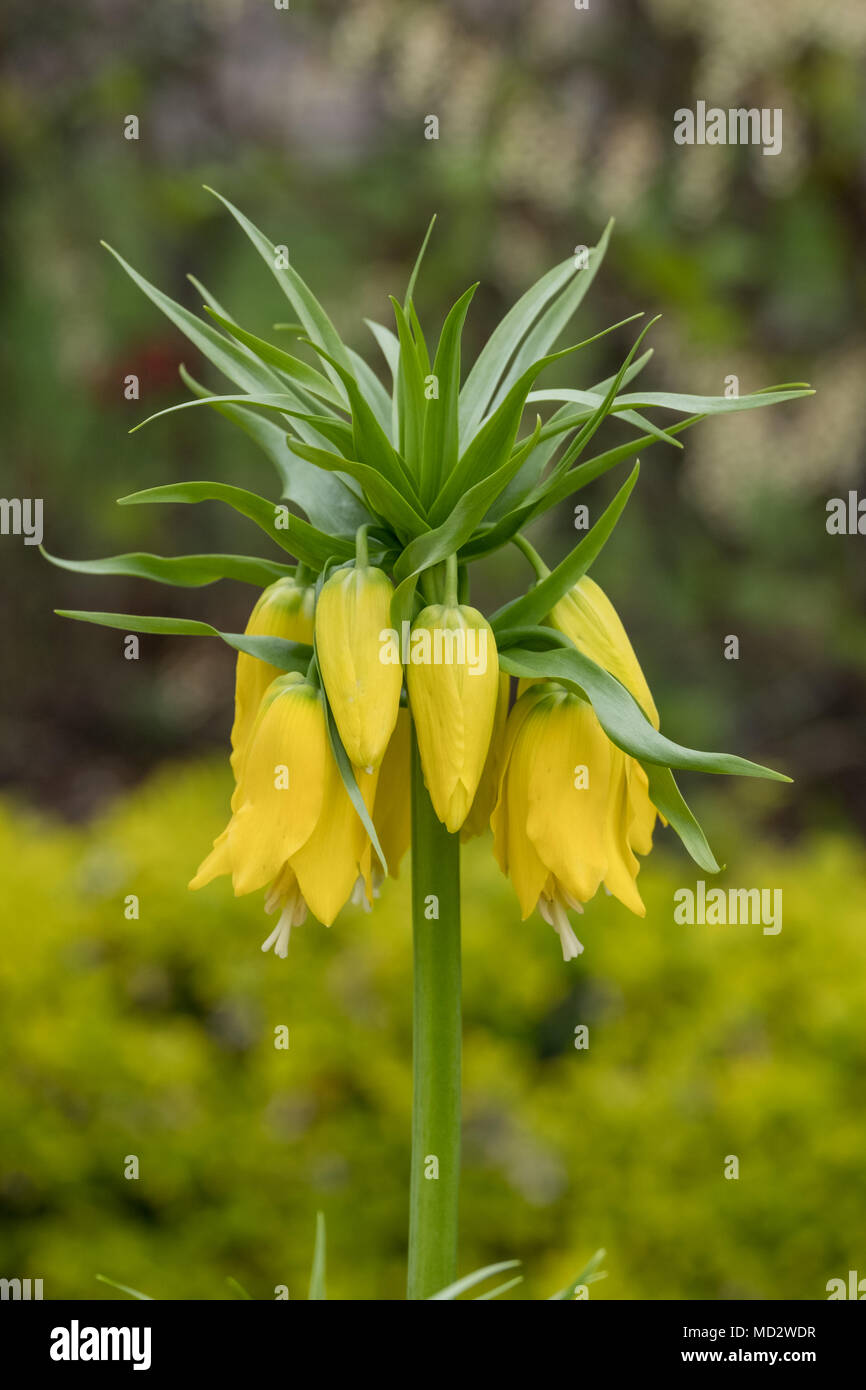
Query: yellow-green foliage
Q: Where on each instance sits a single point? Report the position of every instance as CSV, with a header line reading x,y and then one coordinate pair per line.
x,y
155,1037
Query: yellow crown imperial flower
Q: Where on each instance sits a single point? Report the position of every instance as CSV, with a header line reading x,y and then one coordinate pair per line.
x,y
284,609
363,689
279,796
453,682
571,812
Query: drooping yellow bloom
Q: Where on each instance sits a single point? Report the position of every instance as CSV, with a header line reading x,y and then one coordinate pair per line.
x,y
587,616
293,825
363,687
392,814
488,788
572,810
453,681
284,609
280,793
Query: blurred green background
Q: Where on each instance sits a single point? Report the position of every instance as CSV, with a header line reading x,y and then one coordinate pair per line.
x,y
154,1037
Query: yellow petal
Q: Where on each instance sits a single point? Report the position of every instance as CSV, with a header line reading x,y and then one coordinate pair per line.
x,y
488,788
284,609
329,863
281,789
392,815
363,685
453,681
567,755
587,616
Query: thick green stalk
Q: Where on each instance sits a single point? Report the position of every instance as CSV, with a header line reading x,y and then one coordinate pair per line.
x,y
436,1046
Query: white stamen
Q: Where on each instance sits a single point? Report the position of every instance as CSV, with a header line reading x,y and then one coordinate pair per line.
x,y
553,912
279,937
358,896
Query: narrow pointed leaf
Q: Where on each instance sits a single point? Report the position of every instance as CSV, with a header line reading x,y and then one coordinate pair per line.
x,y
304,302
294,367
440,447
301,539
618,712
346,771
124,1288
184,571
667,798
469,1281
287,656
331,501
534,606
586,1276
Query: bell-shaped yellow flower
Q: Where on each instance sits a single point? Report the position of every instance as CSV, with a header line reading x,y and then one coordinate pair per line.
x,y
280,793
363,684
488,788
572,810
284,609
587,616
334,863
453,681
392,809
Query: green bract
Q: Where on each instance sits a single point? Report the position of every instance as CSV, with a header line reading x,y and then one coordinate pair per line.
x,y
432,469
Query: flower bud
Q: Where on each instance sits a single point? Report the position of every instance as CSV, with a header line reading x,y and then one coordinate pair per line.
x,y
453,681
363,690
284,609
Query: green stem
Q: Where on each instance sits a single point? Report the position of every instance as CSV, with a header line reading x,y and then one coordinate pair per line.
x,y
436,1046
361,549
532,555
451,581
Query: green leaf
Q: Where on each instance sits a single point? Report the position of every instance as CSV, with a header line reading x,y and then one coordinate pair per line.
x,y
440,447
299,294
329,499
184,571
229,357
124,1288
469,1281
499,1290
276,651
444,540
555,318
285,402
411,403
376,395
389,343
372,445
413,278
587,1275
238,1289
667,798
485,375
534,606
383,497
308,544
344,765
317,1274
618,712
493,442
712,405
299,371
